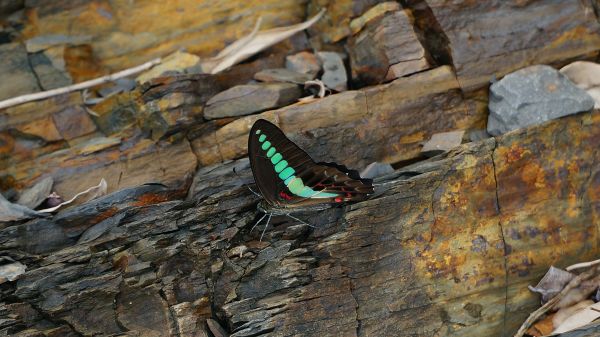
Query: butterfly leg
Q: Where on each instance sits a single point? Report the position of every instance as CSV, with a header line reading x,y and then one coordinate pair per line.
x,y
267,225
293,217
259,220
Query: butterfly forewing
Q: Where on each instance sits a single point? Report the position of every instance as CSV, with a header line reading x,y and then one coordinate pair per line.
x,y
287,177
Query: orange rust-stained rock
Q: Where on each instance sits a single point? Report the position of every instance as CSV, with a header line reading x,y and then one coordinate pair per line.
x,y
117,39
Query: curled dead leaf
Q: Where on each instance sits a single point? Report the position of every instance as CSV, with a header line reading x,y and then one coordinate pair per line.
x,y
94,192
253,43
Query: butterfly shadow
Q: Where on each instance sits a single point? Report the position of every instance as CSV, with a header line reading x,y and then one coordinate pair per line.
x,y
320,222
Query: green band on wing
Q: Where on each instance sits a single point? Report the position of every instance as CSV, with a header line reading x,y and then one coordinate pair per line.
x,y
286,173
276,158
266,145
280,166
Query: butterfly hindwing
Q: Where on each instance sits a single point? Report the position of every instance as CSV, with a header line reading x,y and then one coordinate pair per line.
x,y
287,177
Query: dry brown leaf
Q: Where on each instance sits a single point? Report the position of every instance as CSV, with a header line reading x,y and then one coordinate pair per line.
x,y
580,318
252,44
562,315
543,327
94,192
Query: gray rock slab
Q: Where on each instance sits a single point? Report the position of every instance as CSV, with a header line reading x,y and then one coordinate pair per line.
x,y
251,98
282,75
334,71
442,142
531,96
17,76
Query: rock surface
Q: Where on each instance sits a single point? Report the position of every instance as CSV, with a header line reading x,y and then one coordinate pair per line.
x,y
531,96
456,235
251,98
384,123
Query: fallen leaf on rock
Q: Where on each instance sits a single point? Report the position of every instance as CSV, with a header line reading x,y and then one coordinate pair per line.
x,y
580,318
542,327
552,283
252,44
563,314
15,212
94,191
34,196
586,75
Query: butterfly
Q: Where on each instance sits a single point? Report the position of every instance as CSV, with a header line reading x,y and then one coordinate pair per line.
x,y
290,181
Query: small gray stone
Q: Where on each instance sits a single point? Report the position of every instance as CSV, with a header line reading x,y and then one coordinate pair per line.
x,y
531,96
303,62
17,76
251,98
442,142
376,169
34,196
334,75
282,75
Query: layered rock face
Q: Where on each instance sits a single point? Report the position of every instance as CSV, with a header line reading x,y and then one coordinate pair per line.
x,y
446,247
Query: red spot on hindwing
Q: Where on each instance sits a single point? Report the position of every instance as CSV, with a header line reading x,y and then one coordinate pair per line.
x,y
338,199
285,196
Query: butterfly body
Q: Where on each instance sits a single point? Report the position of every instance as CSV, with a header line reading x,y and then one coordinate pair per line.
x,y
290,181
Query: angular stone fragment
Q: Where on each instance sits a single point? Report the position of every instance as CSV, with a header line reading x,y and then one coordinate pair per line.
x,y
303,62
386,49
17,76
282,75
442,142
48,75
532,96
252,98
334,72
73,122
35,195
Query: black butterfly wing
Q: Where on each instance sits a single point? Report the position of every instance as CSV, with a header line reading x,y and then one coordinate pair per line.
x,y
287,177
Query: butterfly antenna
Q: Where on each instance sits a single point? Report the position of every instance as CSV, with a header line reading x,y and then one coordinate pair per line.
x,y
293,217
266,226
243,183
259,220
